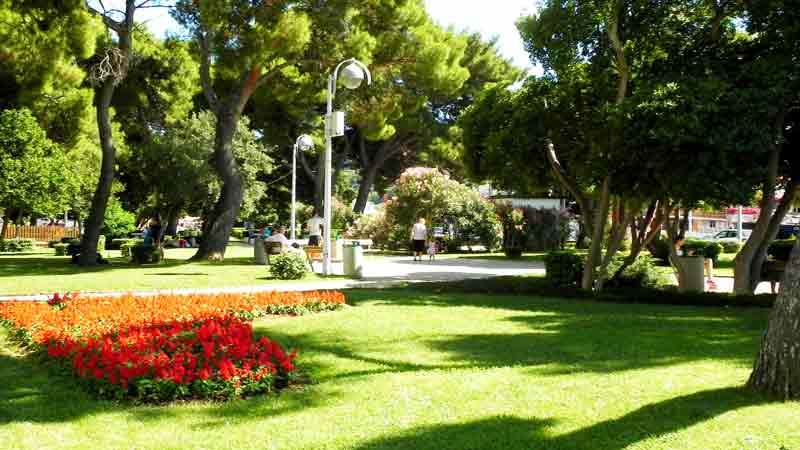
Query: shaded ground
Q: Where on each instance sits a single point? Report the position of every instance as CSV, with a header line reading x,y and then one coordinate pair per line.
x,y
403,369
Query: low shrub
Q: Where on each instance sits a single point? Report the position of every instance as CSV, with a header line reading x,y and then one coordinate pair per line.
x,y
146,254
238,233
52,244
116,244
643,273
69,240
731,247
707,249
522,285
125,247
564,268
288,266
781,250
659,249
16,245
61,249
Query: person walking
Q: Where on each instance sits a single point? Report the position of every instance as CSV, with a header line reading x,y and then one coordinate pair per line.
x,y
419,234
315,230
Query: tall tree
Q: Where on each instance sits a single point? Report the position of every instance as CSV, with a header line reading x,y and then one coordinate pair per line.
x,y
110,68
248,44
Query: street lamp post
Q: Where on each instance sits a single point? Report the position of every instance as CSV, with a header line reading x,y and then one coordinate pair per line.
x,y
352,75
303,143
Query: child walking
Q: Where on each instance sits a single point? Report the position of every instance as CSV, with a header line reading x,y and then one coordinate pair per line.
x,y
432,250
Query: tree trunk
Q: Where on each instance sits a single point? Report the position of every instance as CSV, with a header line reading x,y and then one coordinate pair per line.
x,y
743,263
368,175
102,193
598,231
172,221
217,229
580,241
5,227
777,367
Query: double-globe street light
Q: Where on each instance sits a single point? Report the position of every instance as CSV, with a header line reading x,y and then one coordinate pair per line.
x,y
352,75
303,143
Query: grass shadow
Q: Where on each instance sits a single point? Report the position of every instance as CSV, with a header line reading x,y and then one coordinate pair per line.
x,y
503,432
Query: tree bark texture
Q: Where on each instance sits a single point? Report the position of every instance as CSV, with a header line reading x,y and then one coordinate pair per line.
x,y
747,264
598,230
777,367
97,211
217,229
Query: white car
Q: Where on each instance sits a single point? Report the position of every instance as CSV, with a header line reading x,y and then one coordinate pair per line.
x,y
731,236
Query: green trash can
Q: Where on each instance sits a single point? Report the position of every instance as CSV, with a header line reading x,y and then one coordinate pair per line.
x,y
260,252
693,268
353,259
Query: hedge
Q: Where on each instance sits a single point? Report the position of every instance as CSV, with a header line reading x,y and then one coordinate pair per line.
x,y
16,245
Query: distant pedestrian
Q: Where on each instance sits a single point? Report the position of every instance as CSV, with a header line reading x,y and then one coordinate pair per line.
x,y
315,226
419,234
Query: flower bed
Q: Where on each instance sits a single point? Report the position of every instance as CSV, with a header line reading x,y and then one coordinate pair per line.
x,y
165,347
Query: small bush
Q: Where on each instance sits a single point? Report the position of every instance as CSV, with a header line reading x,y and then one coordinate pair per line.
x,y
643,273
781,250
659,249
145,254
52,244
16,245
125,247
731,247
68,240
288,266
563,268
238,233
708,249
61,249
116,244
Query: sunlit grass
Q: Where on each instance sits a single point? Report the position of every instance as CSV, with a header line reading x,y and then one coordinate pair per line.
x,y
403,369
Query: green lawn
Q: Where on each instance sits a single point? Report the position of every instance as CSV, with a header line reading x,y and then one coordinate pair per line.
x,y
410,370
41,272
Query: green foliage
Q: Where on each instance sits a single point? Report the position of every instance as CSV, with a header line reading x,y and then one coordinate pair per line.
x,y
781,250
513,223
16,245
127,246
706,249
731,247
288,266
642,273
238,233
146,254
33,177
61,249
52,244
659,249
174,169
117,222
563,268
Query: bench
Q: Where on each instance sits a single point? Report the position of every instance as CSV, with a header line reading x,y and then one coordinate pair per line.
x,y
274,248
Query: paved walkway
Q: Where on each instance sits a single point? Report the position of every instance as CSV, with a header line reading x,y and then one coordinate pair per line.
x,y
378,272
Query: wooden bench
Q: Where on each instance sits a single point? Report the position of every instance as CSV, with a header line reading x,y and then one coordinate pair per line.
x,y
313,254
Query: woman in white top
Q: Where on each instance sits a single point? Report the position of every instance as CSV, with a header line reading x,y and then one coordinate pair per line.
x,y
419,234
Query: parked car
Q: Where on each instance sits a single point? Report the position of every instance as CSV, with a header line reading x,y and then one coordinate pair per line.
x,y
731,236
787,231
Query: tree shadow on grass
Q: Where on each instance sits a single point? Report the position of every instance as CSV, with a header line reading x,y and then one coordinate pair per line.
x,y
503,432
31,392
555,336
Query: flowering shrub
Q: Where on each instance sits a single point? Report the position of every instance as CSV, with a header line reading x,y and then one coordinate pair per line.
x,y
165,347
464,215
